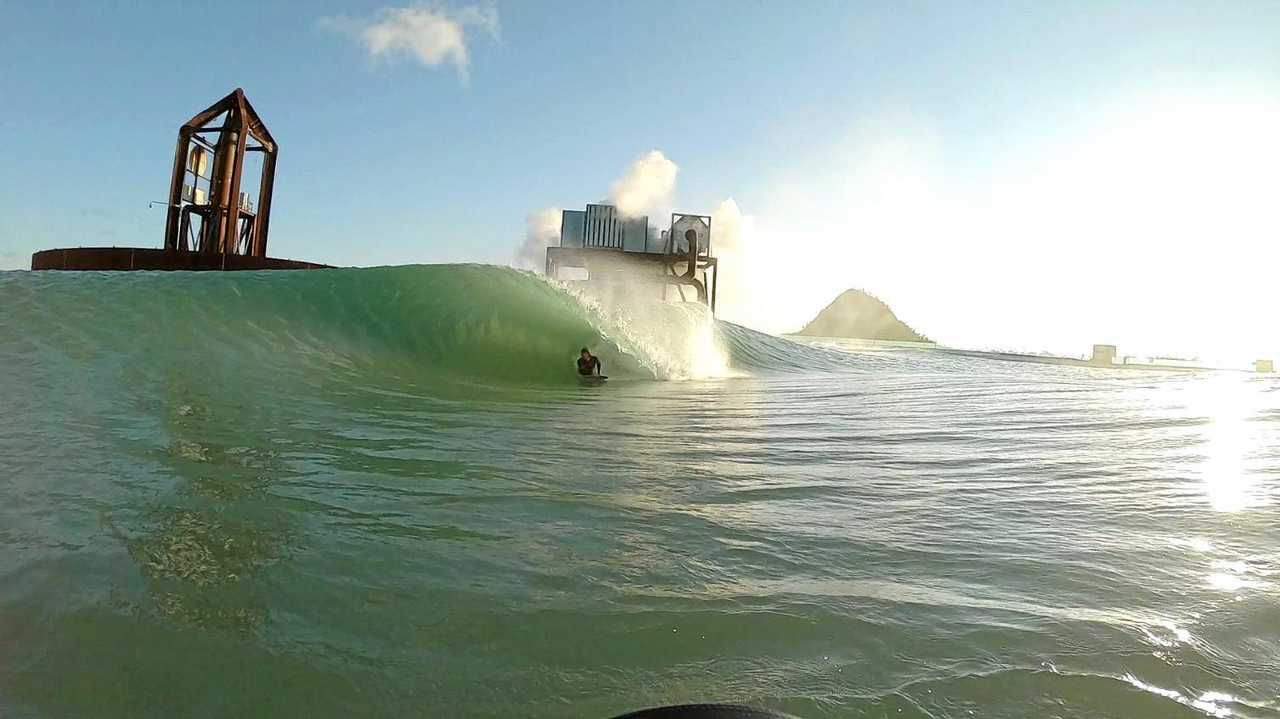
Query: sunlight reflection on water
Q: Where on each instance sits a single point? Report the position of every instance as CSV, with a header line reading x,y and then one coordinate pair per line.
x,y
1229,470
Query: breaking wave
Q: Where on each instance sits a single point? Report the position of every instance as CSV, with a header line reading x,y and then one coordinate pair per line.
x,y
474,323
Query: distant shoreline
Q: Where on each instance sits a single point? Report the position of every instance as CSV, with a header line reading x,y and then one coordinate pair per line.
x,y
1058,360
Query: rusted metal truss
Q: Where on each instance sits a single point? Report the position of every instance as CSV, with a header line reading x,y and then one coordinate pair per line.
x,y
211,223
209,213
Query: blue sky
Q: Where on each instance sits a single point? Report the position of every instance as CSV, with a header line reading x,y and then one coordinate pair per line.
x,y
387,159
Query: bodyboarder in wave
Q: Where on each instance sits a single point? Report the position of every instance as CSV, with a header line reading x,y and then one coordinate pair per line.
x,y
589,364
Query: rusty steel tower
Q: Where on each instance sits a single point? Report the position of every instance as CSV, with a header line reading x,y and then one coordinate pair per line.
x,y
213,219
208,167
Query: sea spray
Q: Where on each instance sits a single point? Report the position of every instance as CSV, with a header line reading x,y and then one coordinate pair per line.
x,y
673,340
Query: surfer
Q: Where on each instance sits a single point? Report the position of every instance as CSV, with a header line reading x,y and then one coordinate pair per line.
x,y
588,364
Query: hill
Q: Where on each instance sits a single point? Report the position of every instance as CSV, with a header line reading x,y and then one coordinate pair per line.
x,y
859,315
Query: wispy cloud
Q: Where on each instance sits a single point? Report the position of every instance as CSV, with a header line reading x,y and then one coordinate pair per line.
x,y
429,34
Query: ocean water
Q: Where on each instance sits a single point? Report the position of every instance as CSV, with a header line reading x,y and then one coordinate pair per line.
x,y
381,493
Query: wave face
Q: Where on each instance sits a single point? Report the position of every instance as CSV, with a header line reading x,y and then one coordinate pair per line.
x,y
382,493
455,322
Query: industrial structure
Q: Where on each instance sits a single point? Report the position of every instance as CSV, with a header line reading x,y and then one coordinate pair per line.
x,y
212,222
602,247
1103,355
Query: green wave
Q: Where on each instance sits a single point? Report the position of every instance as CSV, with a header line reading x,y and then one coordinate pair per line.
x,y
474,323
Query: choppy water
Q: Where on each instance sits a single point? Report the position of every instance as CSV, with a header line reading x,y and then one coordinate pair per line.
x,y
373,493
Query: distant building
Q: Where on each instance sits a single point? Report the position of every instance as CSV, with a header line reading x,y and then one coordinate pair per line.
x,y
1264,366
1103,355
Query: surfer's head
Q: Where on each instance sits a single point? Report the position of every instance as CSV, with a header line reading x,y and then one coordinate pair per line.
x,y
585,353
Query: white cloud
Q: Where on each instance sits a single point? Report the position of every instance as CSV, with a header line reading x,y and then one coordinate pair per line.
x,y
429,34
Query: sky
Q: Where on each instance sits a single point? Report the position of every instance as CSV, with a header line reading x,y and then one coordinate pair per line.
x,y
1015,175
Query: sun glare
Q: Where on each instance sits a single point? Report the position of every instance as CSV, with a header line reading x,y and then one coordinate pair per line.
x,y
1228,468
1147,221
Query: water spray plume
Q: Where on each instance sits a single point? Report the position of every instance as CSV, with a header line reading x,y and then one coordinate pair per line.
x,y
647,187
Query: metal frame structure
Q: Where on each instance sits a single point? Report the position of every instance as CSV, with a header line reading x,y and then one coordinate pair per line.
x,y
677,217
695,258
608,262
211,230
227,225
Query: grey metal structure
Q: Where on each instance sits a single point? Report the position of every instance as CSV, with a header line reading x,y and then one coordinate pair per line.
x,y
603,227
610,248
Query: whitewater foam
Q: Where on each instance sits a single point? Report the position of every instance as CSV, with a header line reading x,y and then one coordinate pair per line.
x,y
674,341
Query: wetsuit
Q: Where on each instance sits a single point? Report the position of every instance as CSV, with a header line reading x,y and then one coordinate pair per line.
x,y
589,366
